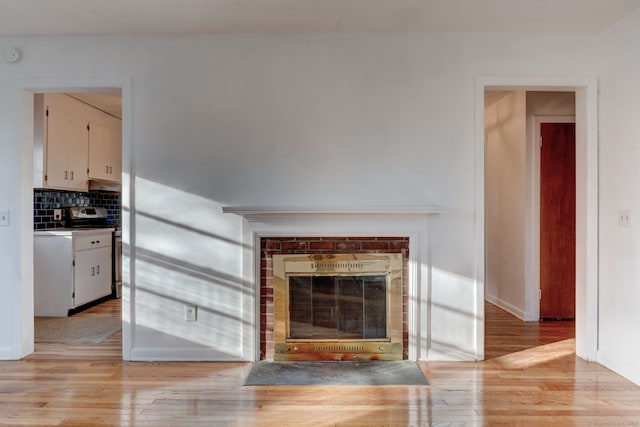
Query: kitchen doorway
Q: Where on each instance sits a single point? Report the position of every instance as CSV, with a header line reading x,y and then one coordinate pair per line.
x,y
105,99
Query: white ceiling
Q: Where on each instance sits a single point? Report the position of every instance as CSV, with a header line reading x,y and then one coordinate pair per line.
x,y
67,17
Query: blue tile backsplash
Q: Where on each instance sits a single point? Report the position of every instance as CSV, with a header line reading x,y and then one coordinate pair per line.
x,y
45,201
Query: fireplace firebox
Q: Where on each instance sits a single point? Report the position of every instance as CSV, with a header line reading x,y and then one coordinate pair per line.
x,y
338,306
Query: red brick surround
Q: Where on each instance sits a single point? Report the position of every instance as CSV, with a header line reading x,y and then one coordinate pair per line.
x,y
319,245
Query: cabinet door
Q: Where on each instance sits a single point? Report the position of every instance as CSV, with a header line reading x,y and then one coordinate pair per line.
x,y
66,154
52,275
78,154
59,126
116,151
92,276
105,156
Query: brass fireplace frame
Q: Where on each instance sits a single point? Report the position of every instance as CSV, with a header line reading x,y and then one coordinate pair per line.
x,y
387,264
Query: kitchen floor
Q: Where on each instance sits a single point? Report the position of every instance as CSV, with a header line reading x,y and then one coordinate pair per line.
x,y
112,307
110,349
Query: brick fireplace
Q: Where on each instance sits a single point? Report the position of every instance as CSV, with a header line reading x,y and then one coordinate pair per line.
x,y
269,230
270,246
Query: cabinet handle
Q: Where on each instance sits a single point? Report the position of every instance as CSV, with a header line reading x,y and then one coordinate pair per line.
x,y
93,271
97,241
111,170
97,269
71,175
106,169
66,175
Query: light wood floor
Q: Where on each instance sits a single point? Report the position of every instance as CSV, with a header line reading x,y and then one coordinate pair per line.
x,y
532,377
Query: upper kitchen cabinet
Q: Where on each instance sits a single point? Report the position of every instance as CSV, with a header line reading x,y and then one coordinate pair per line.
x,y
77,146
105,152
61,143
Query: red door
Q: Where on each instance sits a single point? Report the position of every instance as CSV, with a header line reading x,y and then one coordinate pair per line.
x,y
557,221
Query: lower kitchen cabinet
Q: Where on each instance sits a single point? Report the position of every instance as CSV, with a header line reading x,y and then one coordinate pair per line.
x,y
72,267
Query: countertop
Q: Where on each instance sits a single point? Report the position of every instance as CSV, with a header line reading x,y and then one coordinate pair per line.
x,y
71,231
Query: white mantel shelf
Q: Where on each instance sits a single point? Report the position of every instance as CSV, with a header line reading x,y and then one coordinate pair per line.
x,y
274,213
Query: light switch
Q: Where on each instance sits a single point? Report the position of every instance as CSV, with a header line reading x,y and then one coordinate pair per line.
x,y
624,218
4,218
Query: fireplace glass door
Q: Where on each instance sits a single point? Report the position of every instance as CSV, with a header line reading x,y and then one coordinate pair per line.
x,y
338,307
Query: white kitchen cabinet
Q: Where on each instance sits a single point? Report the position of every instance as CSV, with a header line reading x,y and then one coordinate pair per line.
x,y
105,147
61,143
71,268
75,144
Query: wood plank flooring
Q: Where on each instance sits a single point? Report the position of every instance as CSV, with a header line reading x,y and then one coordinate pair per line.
x,y
531,377
505,334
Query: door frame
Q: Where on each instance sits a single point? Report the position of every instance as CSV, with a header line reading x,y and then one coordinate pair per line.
x,y
24,91
586,91
532,261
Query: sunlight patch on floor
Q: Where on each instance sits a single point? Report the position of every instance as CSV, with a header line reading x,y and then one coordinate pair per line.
x,y
536,356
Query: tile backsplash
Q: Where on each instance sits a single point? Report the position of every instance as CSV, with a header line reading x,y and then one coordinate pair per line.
x,y
45,201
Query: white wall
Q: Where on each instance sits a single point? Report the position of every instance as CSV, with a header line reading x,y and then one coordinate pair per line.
x,y
545,103
619,317
505,153
344,120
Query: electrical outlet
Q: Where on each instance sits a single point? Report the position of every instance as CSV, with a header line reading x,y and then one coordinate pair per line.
x,y
57,214
624,218
190,313
4,218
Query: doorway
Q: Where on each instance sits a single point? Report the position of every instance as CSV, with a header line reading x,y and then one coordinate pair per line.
x,y
586,201
530,203
85,127
25,102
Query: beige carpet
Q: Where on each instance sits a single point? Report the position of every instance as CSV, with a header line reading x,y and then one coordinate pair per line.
x,y
76,330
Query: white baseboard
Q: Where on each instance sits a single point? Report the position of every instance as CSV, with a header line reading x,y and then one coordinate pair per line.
x,y
8,353
617,367
516,311
157,354
447,354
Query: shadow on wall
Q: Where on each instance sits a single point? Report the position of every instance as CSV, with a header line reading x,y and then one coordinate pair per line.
x,y
187,254
452,317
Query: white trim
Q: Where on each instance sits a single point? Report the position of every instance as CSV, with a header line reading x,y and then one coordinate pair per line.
x,y
586,90
632,374
479,262
506,306
24,321
7,353
587,264
171,354
271,213
128,199
389,225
